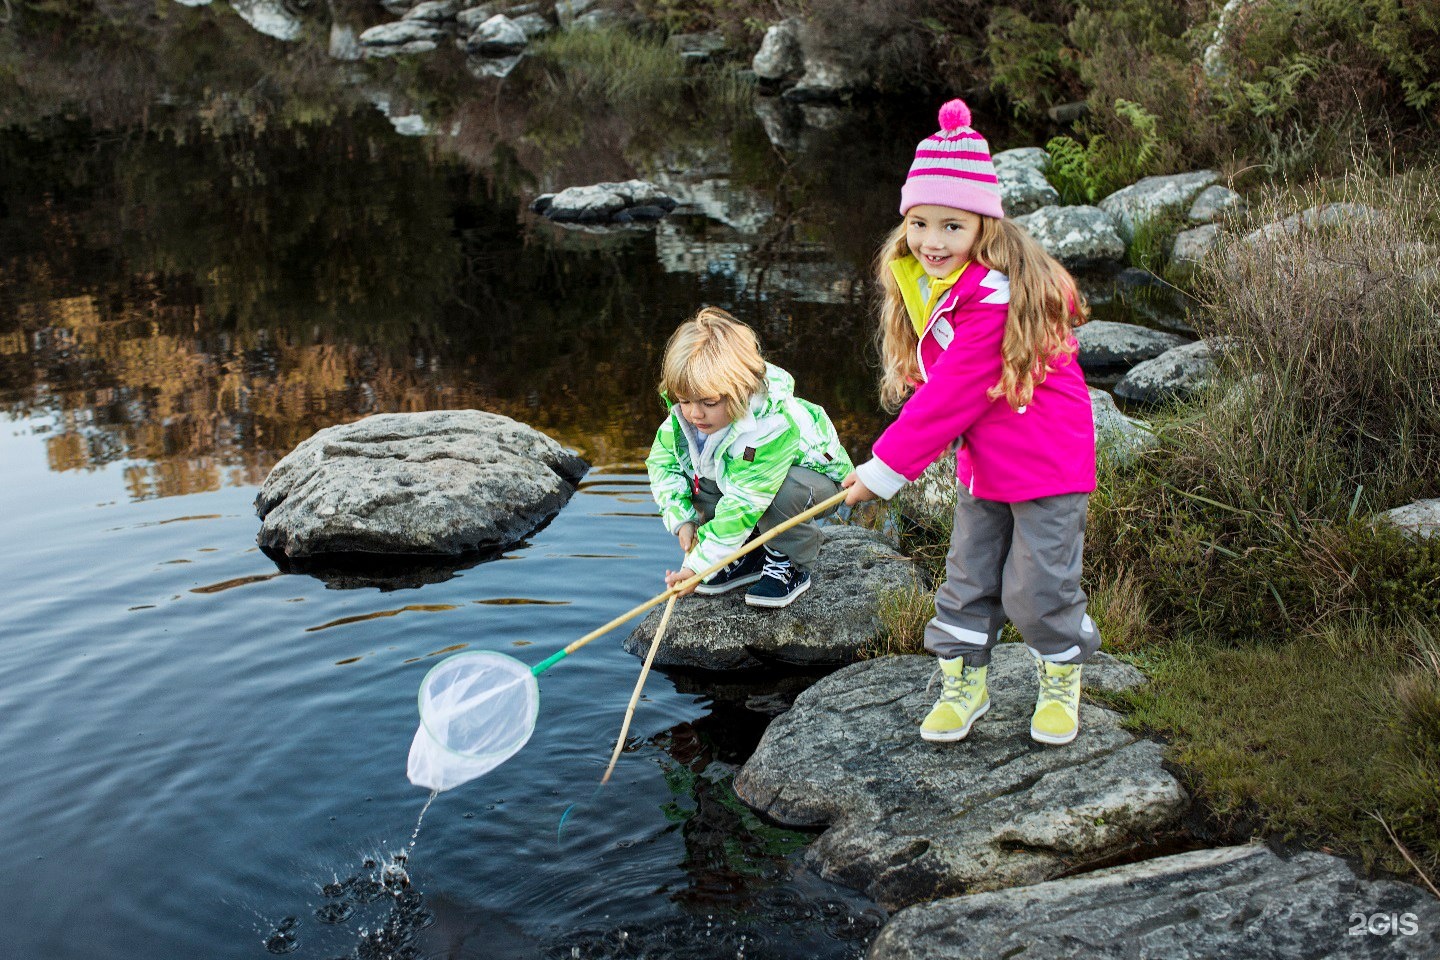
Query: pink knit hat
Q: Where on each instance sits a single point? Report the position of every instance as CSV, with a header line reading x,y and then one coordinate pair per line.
x,y
953,168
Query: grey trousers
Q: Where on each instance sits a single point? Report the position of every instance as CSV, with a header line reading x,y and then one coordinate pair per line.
x,y
1015,560
802,489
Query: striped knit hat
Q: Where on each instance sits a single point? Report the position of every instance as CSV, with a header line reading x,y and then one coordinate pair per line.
x,y
953,168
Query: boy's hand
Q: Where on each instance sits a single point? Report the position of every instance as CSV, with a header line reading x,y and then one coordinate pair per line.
x,y
859,493
678,577
686,533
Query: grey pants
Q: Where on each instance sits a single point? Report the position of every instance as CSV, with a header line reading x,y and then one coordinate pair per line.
x,y
802,489
1015,560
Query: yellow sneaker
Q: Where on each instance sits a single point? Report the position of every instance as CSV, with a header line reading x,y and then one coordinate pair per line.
x,y
1057,709
963,700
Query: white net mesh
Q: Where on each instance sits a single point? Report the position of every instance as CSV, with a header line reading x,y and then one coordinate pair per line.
x,y
476,710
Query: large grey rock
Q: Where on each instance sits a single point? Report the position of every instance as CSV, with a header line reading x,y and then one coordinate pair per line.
x,y
497,37
1152,197
568,11
1036,158
910,821
1192,246
1024,189
1418,519
1106,344
1118,437
827,80
402,33
599,202
1231,903
1327,215
930,496
1077,236
779,57
447,483
269,17
828,624
1178,373
433,11
1214,202
467,20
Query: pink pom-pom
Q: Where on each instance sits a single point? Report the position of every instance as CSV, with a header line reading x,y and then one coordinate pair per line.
x,y
954,115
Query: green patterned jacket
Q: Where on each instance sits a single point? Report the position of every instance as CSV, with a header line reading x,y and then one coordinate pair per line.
x,y
779,431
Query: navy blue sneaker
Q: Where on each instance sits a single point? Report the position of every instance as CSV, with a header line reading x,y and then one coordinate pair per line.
x,y
737,573
781,582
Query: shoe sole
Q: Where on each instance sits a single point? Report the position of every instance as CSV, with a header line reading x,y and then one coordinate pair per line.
x,y
1052,740
784,601
950,736
708,590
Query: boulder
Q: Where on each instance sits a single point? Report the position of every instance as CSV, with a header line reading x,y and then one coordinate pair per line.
x,y
828,624
269,17
1192,246
433,11
568,11
826,80
1118,437
1214,202
497,37
1036,158
467,20
444,483
1076,236
1232,902
779,58
1152,197
402,33
1315,218
601,202
1106,344
909,821
533,25
1024,189
1177,373
1418,519
930,496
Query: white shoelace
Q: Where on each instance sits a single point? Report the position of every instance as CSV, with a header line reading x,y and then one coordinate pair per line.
x,y
1054,688
951,688
779,569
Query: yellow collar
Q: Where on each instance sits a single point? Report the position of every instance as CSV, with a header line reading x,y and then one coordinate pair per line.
x,y
919,290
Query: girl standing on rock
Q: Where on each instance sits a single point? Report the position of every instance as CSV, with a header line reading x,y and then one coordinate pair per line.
x,y
738,454
975,330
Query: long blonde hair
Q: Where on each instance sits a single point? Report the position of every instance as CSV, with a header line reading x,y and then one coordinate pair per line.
x,y
713,355
1045,304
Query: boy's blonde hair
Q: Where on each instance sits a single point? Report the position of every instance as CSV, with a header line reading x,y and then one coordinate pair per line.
x,y
713,355
1044,305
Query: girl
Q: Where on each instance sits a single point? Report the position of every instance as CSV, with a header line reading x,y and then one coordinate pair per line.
x,y
738,453
975,329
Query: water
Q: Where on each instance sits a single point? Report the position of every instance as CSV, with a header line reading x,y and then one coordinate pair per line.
x,y
207,752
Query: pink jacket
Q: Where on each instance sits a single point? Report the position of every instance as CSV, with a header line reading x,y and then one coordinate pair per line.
x,y
1045,448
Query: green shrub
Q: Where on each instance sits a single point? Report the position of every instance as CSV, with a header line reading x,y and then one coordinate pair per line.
x,y
1031,64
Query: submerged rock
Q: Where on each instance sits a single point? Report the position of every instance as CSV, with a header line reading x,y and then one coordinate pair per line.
x,y
605,202
910,821
1230,902
826,625
444,483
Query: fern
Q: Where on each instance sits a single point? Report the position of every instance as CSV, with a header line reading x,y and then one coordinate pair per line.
x,y
1084,174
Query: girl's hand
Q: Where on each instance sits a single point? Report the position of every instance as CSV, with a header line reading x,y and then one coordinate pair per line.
x,y
859,493
674,578
686,533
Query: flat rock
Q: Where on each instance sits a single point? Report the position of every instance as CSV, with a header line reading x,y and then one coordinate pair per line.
x,y
402,33
909,821
1178,373
444,483
1324,216
1106,344
1418,519
1213,203
826,625
601,202
1151,197
1229,903
1077,236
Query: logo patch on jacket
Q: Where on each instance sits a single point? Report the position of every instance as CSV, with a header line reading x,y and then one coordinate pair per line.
x,y
749,455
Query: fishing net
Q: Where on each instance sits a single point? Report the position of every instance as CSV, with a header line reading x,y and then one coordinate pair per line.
x,y
477,710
